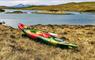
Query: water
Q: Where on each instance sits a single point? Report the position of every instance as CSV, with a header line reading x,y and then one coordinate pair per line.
x,y
75,18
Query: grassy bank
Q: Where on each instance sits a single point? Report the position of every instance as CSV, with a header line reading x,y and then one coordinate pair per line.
x,y
13,46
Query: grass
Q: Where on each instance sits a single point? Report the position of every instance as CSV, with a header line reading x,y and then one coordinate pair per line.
x,y
13,46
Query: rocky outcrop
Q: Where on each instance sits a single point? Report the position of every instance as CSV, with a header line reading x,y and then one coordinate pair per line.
x,y
1,10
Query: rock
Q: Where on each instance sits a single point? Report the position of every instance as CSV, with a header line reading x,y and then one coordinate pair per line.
x,y
1,10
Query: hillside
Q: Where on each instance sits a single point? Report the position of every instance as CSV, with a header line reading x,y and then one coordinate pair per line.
x,y
82,6
3,7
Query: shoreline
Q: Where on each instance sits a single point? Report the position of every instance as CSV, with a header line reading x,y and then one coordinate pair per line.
x,y
53,13
14,46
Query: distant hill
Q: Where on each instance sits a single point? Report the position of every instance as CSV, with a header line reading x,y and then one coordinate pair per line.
x,y
16,6
20,6
3,7
81,6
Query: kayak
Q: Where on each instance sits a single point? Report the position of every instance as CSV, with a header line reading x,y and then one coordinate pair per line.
x,y
44,36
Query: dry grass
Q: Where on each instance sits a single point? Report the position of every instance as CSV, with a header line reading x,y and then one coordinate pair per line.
x,y
15,47
80,7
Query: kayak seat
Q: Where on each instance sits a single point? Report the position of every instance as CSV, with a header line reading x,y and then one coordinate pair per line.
x,y
59,40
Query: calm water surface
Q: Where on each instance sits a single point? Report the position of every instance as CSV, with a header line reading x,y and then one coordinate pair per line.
x,y
75,18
